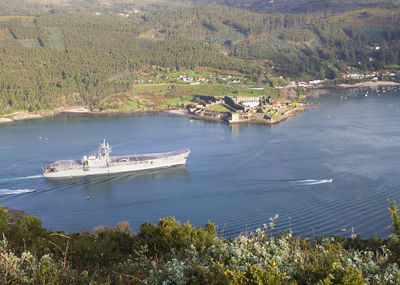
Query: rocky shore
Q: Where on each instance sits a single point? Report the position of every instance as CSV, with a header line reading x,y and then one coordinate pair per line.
x,y
24,115
81,110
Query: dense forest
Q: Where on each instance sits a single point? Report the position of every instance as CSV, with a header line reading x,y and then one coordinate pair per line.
x,y
303,6
60,53
175,253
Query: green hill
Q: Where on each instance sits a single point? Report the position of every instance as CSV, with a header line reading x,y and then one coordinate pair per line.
x,y
57,53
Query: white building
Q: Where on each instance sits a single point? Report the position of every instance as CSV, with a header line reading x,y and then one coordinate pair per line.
x,y
251,103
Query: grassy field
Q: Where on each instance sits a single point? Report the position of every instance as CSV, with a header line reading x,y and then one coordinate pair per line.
x,y
170,95
209,70
24,19
371,16
220,108
56,38
34,43
46,2
5,35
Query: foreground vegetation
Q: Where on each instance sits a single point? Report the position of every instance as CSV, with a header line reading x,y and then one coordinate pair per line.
x,y
175,253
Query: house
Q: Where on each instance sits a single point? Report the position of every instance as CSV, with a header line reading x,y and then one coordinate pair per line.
x,y
252,103
202,79
303,84
355,75
235,80
185,78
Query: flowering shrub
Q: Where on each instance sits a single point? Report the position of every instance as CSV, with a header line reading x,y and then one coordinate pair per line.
x,y
27,269
175,253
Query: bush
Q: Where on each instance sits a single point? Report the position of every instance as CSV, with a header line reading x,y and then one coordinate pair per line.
x,y
4,220
169,233
174,253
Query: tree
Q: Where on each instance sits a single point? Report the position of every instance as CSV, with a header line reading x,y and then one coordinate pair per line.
x,y
4,220
393,209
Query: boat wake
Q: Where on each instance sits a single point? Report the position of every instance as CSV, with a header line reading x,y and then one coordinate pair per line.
x,y
20,178
307,182
297,182
15,192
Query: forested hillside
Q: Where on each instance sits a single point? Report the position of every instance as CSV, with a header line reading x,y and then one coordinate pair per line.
x,y
304,6
57,53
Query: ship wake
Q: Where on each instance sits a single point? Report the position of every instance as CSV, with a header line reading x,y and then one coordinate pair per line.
x,y
16,191
298,182
20,178
309,182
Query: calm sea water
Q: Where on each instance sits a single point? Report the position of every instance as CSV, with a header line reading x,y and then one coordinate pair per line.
x,y
256,172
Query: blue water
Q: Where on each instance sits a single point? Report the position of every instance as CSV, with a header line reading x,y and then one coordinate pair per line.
x,y
257,171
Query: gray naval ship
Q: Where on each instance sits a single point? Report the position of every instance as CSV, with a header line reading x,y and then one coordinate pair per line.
x,y
103,163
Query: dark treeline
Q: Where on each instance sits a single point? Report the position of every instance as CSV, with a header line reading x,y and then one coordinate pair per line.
x,y
328,7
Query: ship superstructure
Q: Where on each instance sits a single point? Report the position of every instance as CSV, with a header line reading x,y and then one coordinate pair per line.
x,y
103,163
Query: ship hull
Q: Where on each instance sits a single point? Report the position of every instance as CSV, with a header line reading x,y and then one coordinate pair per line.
x,y
118,166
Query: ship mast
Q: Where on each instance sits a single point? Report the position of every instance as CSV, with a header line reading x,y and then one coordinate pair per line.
x,y
105,150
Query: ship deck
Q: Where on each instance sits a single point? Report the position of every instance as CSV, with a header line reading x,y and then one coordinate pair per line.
x,y
144,157
64,164
68,164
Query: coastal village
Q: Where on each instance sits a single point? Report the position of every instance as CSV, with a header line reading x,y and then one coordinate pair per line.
x,y
231,98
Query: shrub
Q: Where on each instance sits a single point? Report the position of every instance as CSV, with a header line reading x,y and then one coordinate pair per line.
x,y
4,220
169,233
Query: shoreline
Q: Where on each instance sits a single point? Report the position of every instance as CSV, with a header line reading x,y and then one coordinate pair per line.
x,y
81,110
85,110
368,84
359,84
